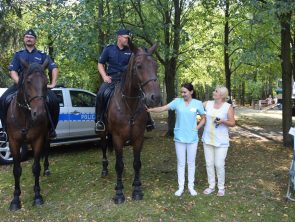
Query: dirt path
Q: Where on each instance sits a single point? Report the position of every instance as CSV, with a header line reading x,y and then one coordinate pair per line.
x,y
259,124
263,125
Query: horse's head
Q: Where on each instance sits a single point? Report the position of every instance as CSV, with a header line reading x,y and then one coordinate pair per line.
x,y
143,69
33,87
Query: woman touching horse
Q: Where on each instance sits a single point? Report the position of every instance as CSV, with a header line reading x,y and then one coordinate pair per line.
x,y
127,116
27,122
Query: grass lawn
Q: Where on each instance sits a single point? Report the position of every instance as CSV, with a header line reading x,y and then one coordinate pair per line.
x,y
256,185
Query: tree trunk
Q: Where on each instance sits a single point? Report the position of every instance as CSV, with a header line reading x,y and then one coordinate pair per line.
x,y
285,21
170,73
226,48
293,55
50,38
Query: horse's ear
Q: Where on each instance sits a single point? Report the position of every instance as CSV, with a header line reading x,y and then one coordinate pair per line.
x,y
132,47
45,63
24,63
153,48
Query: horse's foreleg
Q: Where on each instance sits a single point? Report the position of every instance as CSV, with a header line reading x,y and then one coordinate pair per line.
x,y
38,200
17,171
105,161
46,162
137,193
119,197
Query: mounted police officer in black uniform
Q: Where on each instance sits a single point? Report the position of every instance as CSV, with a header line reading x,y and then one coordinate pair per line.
x,y
116,56
31,55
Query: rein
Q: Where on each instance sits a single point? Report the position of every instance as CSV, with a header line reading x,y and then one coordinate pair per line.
x,y
139,98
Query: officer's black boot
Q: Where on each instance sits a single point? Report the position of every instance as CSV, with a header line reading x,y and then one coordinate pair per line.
x,y
3,134
150,125
52,119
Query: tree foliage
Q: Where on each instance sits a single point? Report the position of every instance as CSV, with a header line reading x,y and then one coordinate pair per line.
x,y
229,42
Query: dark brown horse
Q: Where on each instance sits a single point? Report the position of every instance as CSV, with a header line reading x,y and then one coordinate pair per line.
x,y
27,122
127,116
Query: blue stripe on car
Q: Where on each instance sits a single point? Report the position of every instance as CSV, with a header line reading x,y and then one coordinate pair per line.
x,y
77,117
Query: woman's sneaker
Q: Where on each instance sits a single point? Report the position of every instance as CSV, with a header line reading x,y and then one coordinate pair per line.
x,y
208,191
221,192
192,191
179,192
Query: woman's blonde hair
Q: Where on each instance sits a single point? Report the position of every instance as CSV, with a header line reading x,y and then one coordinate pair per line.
x,y
223,91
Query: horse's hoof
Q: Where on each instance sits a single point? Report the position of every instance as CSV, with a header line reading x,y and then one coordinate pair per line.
x,y
119,199
137,195
47,173
14,206
38,201
104,173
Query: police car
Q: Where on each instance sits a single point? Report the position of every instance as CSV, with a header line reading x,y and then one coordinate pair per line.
x,y
75,125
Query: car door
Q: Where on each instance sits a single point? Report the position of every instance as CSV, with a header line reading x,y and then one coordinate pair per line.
x,y
63,126
82,113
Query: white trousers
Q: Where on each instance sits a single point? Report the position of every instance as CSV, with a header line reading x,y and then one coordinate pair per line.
x,y
183,150
215,159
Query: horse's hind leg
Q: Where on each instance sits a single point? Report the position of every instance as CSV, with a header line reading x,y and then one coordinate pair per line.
x,y
119,197
137,193
46,162
17,171
38,200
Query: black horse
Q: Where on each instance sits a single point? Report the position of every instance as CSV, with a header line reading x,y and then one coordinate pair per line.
x,y
27,122
126,116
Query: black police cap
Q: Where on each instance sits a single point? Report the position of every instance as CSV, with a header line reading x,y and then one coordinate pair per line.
x,y
31,32
123,32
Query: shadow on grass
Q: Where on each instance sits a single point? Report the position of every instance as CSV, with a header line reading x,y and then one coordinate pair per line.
x,y
256,183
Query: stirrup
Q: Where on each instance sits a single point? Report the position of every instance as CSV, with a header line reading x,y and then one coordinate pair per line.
x,y
3,137
99,126
150,126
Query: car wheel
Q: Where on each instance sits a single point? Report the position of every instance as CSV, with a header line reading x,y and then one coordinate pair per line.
x,y
5,155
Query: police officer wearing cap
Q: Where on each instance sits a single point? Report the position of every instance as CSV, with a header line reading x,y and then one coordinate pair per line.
x,y
31,55
112,62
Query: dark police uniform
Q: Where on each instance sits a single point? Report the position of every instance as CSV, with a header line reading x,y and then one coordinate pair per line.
x,y
117,62
35,56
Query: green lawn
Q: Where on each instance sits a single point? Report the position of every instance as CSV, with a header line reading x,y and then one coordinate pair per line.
x,y
256,183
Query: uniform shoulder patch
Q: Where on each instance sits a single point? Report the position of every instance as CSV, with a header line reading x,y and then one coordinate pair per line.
x,y
41,52
19,51
109,45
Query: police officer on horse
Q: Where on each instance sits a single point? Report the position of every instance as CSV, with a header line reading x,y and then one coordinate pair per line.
x,y
116,56
31,55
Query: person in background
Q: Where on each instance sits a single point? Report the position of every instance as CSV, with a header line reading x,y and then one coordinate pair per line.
x,y
219,117
185,133
30,54
269,100
112,63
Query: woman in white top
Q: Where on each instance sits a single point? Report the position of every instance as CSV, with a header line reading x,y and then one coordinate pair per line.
x,y
219,117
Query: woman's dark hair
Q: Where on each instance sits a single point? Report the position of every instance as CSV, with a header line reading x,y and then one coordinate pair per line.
x,y
189,87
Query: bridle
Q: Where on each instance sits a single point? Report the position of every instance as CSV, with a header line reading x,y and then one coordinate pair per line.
x,y
141,85
27,102
141,96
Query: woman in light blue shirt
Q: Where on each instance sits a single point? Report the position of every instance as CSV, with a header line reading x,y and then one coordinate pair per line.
x,y
185,133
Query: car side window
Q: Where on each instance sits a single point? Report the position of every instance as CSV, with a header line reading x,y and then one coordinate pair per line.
x,y
82,99
59,97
